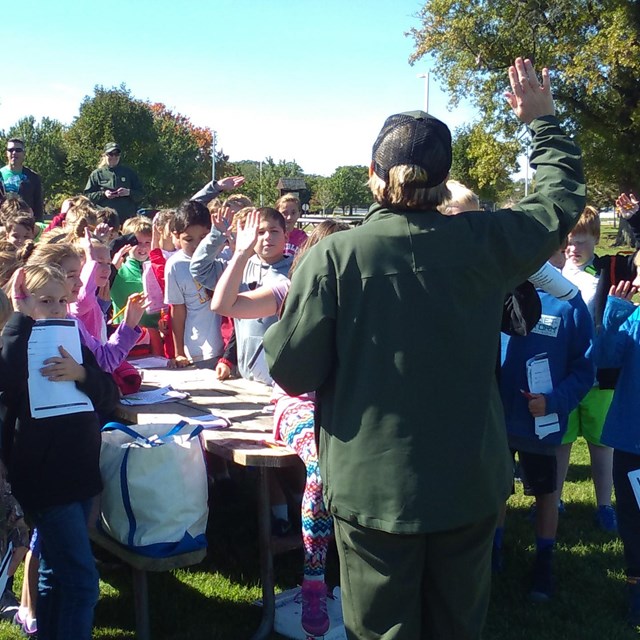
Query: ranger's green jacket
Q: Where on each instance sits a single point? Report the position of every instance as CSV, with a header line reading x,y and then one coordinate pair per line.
x,y
113,178
396,325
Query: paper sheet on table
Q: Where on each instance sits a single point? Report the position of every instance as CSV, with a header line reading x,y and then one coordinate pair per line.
x,y
155,396
46,398
150,362
539,381
634,479
4,567
209,421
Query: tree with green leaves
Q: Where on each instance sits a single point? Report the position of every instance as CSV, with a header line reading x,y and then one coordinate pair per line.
x,y
483,163
591,48
261,178
112,115
349,186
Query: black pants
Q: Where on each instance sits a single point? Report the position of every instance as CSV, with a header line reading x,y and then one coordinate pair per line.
x,y
627,508
431,586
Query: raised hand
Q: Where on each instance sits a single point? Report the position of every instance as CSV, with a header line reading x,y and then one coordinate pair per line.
x,y
137,304
529,99
627,205
120,255
21,297
222,218
230,183
247,233
624,290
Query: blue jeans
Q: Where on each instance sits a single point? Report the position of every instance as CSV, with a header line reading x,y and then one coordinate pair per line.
x,y
68,581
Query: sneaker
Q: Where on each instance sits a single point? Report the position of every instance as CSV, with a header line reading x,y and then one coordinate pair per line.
x,y
633,593
30,626
605,518
279,527
541,577
315,619
9,605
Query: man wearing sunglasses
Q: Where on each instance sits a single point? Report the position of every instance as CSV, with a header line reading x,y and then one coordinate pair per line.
x,y
18,179
114,185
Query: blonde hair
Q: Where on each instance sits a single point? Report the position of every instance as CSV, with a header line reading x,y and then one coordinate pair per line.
x,y
6,308
589,223
240,216
163,218
79,217
138,224
12,206
49,253
462,199
288,197
404,189
37,276
9,262
237,201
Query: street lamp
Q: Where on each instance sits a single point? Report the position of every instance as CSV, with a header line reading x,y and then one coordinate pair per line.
x,y
213,155
426,90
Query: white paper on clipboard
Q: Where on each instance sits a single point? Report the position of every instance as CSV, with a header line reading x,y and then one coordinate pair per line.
x,y
634,479
539,381
46,398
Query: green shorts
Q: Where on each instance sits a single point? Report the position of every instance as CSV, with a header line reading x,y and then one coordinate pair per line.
x,y
587,419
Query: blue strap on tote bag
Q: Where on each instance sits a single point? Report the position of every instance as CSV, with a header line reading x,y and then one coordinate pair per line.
x,y
155,492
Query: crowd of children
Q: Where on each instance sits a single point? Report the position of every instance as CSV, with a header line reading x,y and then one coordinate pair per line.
x,y
200,285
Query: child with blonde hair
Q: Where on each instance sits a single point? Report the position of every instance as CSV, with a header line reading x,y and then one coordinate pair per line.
x,y
290,208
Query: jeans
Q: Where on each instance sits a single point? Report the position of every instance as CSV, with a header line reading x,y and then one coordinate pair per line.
x,y
627,509
68,587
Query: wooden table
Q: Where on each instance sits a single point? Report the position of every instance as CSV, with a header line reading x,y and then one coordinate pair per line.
x,y
245,442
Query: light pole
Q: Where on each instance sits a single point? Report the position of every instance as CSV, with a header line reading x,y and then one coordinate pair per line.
x,y
213,155
426,90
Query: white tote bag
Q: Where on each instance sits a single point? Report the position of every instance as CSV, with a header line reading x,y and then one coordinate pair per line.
x,y
154,499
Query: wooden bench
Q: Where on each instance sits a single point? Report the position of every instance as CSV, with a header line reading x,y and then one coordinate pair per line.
x,y
246,442
140,565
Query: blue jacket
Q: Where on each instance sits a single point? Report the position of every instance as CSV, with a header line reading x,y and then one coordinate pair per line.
x,y
618,345
565,333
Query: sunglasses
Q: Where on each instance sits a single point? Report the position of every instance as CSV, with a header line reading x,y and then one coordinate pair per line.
x,y
15,150
113,153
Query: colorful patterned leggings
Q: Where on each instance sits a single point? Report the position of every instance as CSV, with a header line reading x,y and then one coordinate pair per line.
x,y
297,431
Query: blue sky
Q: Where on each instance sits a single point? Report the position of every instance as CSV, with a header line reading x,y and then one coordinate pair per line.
x,y
305,80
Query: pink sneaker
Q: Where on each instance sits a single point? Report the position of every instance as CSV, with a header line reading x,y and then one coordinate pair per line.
x,y
315,619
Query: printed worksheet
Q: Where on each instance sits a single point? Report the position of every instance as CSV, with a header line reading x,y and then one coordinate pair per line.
x,y
539,380
46,398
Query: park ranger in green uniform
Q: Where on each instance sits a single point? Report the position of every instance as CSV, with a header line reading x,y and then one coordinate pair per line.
x,y
114,185
395,324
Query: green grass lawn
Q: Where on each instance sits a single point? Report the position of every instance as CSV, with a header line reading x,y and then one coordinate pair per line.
x,y
214,600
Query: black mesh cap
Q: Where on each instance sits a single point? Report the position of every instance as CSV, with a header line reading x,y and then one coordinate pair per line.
x,y
414,137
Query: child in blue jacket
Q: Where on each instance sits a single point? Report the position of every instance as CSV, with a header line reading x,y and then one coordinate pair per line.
x,y
563,336
618,345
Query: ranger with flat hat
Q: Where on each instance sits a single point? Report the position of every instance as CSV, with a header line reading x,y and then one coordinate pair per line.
x,y
114,185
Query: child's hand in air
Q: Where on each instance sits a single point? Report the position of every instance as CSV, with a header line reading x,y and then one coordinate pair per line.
x,y
248,232
624,290
137,304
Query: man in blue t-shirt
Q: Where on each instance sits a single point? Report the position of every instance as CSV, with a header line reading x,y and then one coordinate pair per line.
x,y
21,180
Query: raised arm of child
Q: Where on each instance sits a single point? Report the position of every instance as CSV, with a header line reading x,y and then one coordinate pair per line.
x,y
227,299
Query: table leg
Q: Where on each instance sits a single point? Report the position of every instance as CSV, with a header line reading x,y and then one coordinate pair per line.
x,y
266,558
141,599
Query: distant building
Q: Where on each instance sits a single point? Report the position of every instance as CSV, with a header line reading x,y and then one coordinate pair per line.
x,y
296,186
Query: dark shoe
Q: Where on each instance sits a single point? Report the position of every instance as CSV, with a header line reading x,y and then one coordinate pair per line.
x,y
279,527
542,577
605,518
633,594
9,605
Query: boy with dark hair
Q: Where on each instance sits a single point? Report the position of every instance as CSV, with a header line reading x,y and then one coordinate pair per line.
x,y
195,329
267,264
